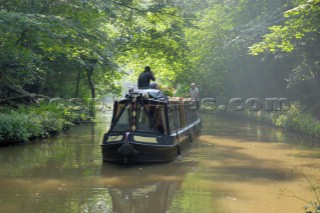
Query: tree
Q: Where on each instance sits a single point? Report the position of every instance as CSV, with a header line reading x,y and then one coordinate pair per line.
x,y
39,38
298,37
153,35
85,42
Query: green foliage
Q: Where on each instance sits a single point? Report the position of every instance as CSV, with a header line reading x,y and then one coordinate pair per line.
x,y
75,48
301,20
295,41
39,121
81,44
285,63
16,127
296,119
208,54
44,45
156,39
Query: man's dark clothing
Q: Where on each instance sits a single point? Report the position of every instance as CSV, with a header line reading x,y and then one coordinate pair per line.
x,y
144,80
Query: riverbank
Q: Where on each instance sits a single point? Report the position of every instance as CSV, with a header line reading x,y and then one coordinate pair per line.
x,y
26,123
296,119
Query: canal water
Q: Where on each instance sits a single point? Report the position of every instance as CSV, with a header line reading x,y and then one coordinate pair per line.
x,y
234,167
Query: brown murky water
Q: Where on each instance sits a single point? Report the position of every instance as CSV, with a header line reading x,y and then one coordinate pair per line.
x,y
235,167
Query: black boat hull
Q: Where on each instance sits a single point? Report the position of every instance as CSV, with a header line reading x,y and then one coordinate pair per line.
x,y
167,150
144,153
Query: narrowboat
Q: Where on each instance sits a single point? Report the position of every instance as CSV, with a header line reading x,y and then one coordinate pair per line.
x,y
148,127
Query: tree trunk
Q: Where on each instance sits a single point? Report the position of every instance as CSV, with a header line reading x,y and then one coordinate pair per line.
x,y
90,70
91,85
78,84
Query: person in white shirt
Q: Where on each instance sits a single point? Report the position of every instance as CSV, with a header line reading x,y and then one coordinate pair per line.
x,y
194,93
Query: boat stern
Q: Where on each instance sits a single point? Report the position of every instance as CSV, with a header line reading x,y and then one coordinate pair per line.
x,y
132,148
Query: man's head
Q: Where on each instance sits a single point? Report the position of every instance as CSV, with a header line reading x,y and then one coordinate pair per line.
x,y
154,86
193,85
147,69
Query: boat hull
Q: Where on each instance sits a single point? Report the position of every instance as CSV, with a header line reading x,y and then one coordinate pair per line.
x,y
166,150
143,153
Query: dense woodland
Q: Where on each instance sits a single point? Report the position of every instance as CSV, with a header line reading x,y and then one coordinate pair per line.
x,y
83,48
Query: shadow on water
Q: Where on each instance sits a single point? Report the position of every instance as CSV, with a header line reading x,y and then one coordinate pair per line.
x,y
241,147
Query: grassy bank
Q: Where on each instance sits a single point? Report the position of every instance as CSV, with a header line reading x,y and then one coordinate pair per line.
x,y
27,123
296,119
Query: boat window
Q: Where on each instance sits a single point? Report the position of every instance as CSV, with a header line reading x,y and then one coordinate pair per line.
x,y
181,115
161,123
151,118
143,122
122,123
174,118
191,112
158,116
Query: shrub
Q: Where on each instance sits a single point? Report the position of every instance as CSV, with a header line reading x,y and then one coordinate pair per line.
x,y
15,127
26,123
296,119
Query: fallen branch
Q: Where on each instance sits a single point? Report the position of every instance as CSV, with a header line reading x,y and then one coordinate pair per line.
x,y
16,94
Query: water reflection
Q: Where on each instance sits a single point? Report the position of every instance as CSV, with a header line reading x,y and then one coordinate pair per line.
x,y
138,189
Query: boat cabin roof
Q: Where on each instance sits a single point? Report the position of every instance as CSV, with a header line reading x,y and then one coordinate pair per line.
x,y
155,94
